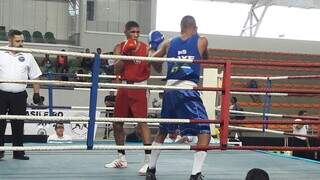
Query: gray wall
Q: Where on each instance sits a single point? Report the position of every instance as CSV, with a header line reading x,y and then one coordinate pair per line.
x,y
32,15
108,40
107,28
111,15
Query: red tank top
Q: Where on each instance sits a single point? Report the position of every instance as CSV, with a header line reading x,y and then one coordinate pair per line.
x,y
136,70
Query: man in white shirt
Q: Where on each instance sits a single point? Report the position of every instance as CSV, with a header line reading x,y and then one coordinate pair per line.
x,y
298,140
16,66
59,136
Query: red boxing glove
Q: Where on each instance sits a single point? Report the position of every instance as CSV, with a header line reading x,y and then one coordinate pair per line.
x,y
129,46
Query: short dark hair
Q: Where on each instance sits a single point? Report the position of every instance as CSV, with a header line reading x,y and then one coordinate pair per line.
x,y
257,174
234,99
58,125
302,112
131,24
187,22
14,32
110,98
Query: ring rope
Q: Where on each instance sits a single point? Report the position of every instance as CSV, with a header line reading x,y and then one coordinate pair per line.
x,y
277,77
87,84
307,119
233,58
95,147
266,52
154,59
272,115
265,67
295,86
180,147
281,105
79,107
89,55
136,86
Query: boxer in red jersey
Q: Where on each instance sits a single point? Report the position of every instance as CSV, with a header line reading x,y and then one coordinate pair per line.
x,y
131,102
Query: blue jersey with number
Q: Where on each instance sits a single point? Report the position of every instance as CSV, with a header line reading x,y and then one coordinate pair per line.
x,y
184,49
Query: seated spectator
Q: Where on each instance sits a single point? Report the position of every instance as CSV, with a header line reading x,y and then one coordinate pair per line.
x,y
47,64
86,63
299,141
80,79
254,84
157,102
257,174
61,63
65,77
109,101
108,65
59,136
99,51
236,107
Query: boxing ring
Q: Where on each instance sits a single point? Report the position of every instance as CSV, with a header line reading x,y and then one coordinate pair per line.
x,y
173,165
85,160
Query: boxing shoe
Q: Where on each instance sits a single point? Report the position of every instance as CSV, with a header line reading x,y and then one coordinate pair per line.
x,y
198,176
151,174
143,170
121,162
21,157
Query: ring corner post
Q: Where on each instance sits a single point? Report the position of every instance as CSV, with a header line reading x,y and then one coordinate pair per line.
x,y
93,101
225,103
266,105
50,94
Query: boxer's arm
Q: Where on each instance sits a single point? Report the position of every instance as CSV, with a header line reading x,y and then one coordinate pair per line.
x,y
162,51
203,47
118,65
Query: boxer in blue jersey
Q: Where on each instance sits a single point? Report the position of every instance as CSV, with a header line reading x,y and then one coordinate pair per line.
x,y
185,104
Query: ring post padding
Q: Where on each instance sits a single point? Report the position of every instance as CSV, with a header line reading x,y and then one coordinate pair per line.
x,y
225,114
93,100
50,95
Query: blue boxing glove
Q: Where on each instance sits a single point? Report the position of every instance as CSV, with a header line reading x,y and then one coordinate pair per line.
x,y
155,39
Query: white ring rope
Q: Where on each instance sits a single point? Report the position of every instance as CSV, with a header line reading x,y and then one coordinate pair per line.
x,y
256,113
249,77
259,93
255,129
98,119
252,113
103,108
89,55
111,90
95,147
114,76
104,85
276,77
159,91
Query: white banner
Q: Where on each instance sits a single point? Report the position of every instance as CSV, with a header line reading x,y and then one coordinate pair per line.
x,y
78,131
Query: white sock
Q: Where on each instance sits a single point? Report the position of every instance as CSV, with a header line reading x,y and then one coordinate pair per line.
x,y
122,157
147,158
154,156
198,160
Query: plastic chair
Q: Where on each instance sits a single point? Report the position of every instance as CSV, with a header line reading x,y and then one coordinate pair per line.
x,y
26,35
37,37
49,37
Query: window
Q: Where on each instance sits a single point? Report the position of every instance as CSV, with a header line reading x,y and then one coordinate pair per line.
x,y
90,10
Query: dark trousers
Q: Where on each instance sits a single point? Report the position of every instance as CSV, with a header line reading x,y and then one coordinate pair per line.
x,y
296,142
13,104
